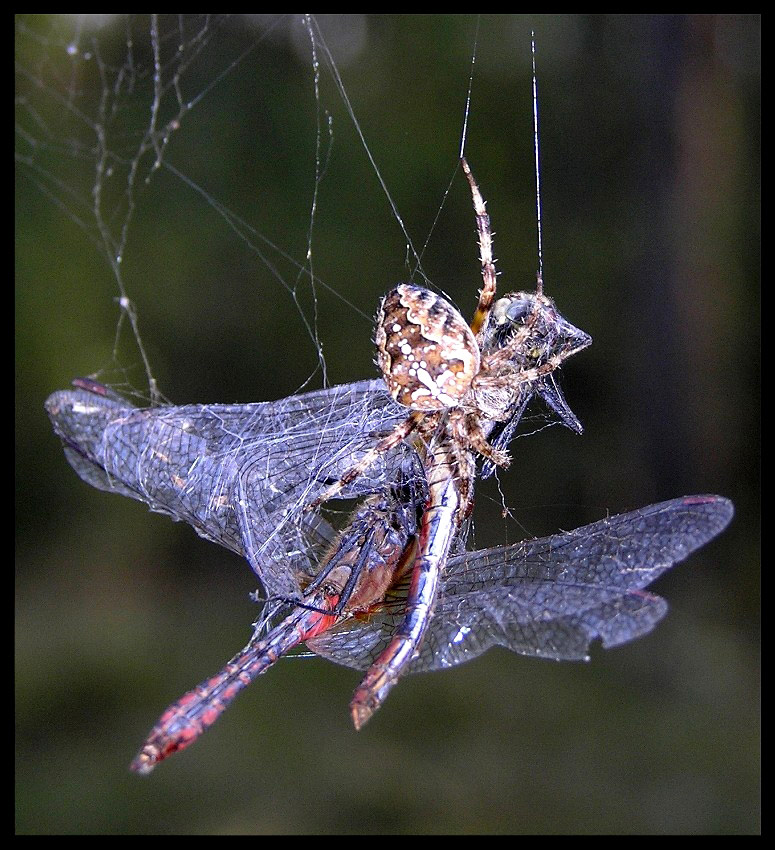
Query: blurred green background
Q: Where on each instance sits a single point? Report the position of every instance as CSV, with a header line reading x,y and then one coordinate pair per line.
x,y
651,191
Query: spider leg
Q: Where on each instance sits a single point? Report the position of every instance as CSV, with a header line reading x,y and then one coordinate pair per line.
x,y
396,436
483,447
523,376
528,375
487,294
468,433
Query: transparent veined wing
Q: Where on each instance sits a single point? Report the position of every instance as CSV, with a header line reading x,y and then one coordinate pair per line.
x,y
240,474
548,598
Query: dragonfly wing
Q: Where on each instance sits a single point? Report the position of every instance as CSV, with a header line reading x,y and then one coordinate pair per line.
x,y
281,539
96,475
358,642
239,474
80,418
159,456
551,597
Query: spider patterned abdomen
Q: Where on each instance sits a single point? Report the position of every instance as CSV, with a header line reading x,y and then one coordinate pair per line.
x,y
426,351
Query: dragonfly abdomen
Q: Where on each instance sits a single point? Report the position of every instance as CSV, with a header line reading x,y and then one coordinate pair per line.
x,y
185,720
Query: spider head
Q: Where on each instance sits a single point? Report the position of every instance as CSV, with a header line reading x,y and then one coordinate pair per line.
x,y
527,332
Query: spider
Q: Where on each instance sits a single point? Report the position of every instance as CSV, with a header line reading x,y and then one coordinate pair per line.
x,y
462,384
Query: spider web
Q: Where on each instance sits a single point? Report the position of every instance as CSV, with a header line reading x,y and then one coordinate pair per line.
x,y
108,113
100,100
116,115
113,113
118,121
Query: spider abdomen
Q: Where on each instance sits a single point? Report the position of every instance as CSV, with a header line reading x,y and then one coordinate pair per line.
x,y
427,353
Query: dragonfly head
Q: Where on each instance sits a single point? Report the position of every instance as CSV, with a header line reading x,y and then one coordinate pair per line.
x,y
527,331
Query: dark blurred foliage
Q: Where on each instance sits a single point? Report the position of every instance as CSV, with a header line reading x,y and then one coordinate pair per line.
x,y
650,136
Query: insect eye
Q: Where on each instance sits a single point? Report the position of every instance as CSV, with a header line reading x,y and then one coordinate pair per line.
x,y
512,310
518,310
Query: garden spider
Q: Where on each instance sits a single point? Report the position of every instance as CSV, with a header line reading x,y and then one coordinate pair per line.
x,y
462,385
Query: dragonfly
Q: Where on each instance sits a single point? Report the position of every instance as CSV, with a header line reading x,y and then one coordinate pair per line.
x,y
462,389
244,475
